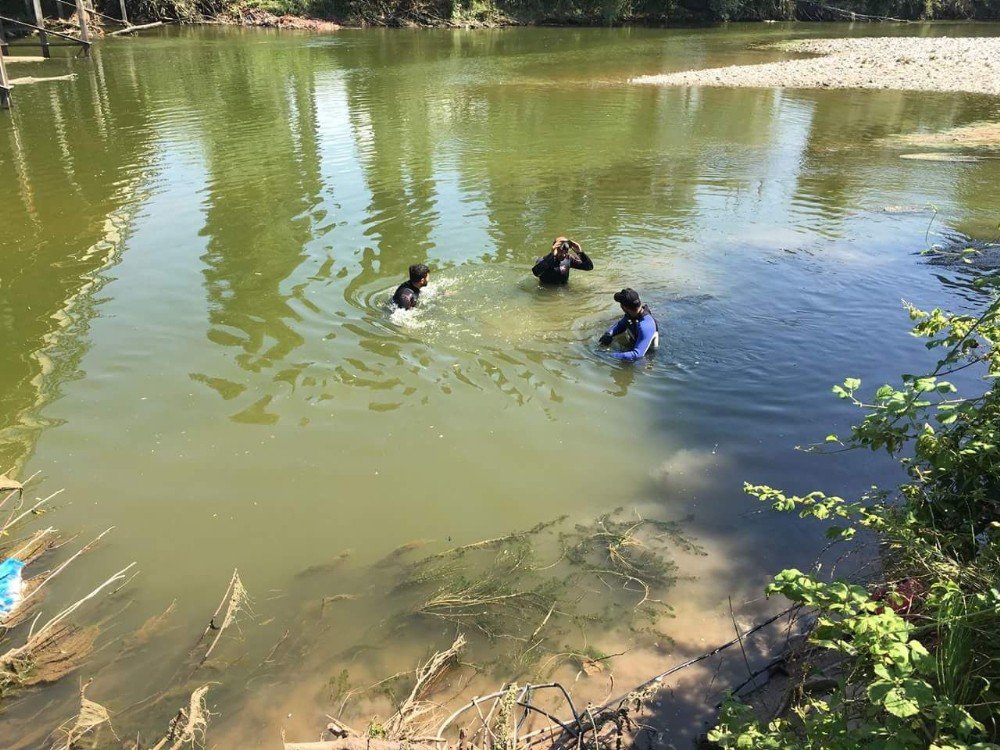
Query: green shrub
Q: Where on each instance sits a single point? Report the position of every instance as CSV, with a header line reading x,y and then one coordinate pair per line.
x,y
921,664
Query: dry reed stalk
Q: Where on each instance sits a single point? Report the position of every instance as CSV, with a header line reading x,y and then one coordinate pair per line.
x,y
16,517
234,600
498,541
54,649
37,545
189,725
91,716
428,676
62,566
34,546
51,658
11,486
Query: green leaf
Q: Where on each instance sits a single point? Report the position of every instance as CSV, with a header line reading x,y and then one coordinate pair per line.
x,y
879,690
899,704
918,691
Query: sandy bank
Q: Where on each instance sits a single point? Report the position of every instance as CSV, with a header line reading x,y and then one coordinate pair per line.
x,y
903,63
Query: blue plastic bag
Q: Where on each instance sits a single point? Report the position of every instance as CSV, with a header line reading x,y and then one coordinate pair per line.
x,y
11,585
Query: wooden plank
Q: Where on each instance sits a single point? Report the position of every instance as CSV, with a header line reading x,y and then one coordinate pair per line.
x,y
43,38
81,13
4,48
132,29
50,32
4,87
24,81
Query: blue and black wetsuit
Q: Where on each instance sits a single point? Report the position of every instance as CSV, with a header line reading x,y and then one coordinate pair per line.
x,y
406,295
551,270
645,333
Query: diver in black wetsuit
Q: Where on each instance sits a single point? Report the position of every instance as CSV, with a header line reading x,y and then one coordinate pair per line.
x,y
408,292
566,254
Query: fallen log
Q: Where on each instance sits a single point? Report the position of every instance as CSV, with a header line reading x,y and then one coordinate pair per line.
x,y
25,80
133,29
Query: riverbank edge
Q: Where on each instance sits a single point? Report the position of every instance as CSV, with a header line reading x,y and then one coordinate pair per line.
x,y
485,17
934,64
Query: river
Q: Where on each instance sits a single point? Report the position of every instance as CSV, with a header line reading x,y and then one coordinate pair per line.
x,y
199,235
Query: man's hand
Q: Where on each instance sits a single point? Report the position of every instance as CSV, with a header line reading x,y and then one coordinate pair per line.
x,y
606,339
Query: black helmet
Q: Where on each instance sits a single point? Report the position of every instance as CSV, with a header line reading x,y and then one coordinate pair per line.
x,y
628,297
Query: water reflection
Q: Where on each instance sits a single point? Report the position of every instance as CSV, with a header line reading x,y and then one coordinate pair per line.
x,y
263,188
51,264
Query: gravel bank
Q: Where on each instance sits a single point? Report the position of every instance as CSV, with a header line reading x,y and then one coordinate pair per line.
x,y
903,63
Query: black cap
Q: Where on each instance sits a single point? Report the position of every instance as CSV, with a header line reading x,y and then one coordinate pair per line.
x,y
628,297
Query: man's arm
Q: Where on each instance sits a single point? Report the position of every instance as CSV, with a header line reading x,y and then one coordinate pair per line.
x,y
582,263
407,299
616,330
544,264
647,330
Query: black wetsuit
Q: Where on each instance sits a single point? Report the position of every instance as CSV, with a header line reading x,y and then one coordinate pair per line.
x,y
551,270
406,295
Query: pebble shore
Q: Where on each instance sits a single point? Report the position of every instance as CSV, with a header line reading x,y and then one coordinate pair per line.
x,y
900,63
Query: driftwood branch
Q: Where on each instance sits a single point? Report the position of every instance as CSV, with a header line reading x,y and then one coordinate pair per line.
x,y
133,29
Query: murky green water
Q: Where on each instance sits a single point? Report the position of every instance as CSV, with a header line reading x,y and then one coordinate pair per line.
x,y
198,237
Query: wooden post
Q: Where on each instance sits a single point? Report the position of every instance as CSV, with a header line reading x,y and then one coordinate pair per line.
x,y
4,86
43,38
121,3
4,49
81,13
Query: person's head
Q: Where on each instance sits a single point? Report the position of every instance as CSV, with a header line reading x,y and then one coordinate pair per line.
x,y
630,302
561,246
419,274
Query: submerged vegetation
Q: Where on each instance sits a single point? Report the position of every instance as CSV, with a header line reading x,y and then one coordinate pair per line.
x,y
526,603
36,651
542,589
919,655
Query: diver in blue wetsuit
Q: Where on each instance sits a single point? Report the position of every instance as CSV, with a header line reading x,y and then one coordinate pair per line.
x,y
638,322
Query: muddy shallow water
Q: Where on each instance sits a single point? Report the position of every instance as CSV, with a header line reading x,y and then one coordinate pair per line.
x,y
199,236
